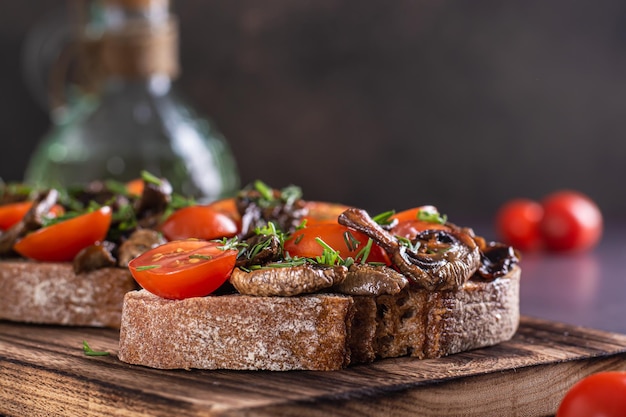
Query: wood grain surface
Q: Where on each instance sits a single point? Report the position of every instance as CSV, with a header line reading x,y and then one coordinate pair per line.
x,y
44,372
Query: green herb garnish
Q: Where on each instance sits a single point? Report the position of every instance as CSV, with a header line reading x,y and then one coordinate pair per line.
x,y
431,216
147,267
413,247
329,255
384,218
90,352
365,252
151,178
200,256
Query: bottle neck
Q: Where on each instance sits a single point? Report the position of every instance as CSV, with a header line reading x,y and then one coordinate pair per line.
x,y
153,85
134,39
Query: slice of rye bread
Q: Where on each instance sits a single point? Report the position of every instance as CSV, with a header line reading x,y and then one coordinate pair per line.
x,y
51,293
315,332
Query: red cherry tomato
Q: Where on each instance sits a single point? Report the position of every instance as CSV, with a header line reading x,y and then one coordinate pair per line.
x,y
410,228
200,222
599,395
571,222
517,224
183,268
62,241
227,206
413,213
12,213
322,212
346,241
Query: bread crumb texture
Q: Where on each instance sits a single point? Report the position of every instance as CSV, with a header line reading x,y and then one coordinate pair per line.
x,y
235,332
51,293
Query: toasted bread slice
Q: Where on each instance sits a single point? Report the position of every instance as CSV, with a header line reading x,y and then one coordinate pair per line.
x,y
318,331
51,293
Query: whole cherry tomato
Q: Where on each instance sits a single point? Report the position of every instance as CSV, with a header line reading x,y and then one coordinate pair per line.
x,y
599,395
62,241
346,241
183,268
12,213
571,221
518,224
200,222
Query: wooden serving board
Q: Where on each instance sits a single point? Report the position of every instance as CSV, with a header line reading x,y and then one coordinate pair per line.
x,y
43,371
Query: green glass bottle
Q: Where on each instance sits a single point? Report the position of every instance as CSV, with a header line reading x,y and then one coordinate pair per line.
x,y
134,119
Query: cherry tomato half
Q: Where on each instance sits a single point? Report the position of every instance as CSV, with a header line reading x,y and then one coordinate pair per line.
x,y
346,241
517,224
12,213
413,213
410,228
227,206
571,221
62,241
599,395
183,268
323,212
199,222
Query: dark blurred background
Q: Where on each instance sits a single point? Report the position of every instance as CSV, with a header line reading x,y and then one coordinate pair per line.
x,y
389,104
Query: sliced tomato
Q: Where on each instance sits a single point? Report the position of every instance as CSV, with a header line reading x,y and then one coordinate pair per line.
x,y
200,222
183,268
322,212
346,241
411,228
413,213
227,206
62,241
12,213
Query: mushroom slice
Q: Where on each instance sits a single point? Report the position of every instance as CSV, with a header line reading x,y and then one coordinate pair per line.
x,y
435,260
140,241
365,279
287,281
94,257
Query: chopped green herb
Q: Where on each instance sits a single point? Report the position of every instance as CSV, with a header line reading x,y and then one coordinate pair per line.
x,y
431,216
384,218
147,267
116,187
267,193
291,194
365,252
302,225
352,243
90,352
151,178
232,243
200,256
329,255
406,242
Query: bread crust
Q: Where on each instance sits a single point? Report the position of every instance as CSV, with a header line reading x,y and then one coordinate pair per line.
x,y
315,332
51,293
